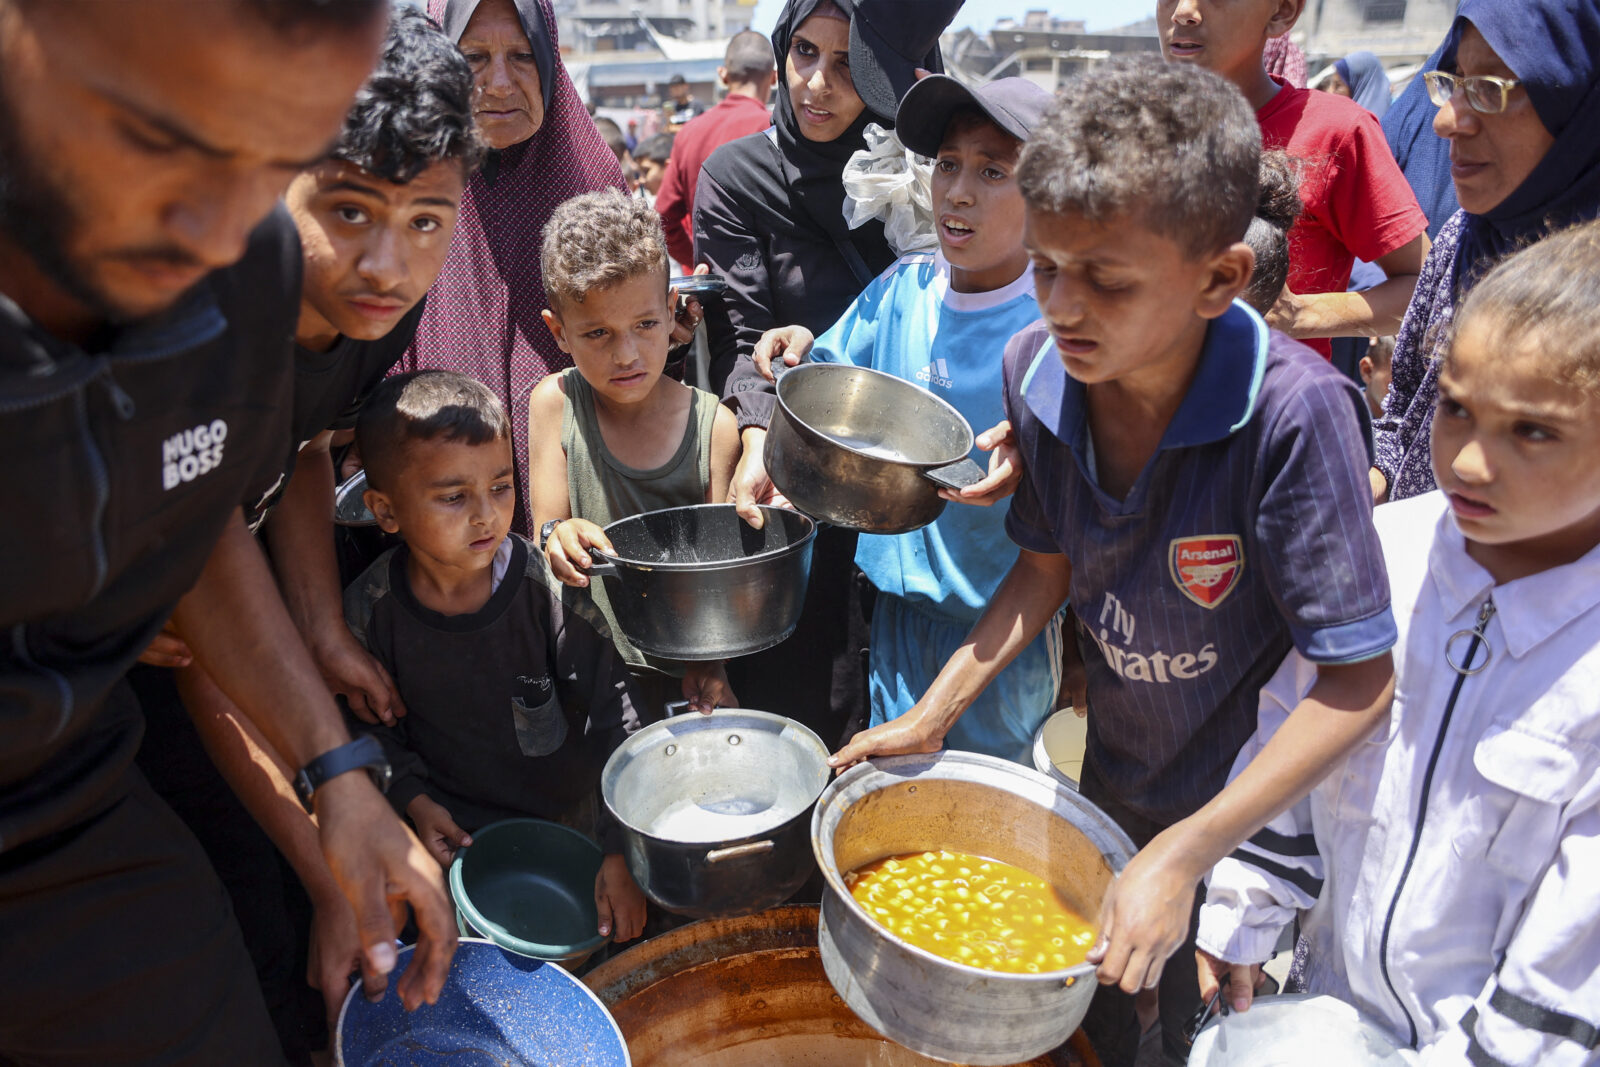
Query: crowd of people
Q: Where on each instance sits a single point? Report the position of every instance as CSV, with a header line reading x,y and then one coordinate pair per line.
x,y
1337,647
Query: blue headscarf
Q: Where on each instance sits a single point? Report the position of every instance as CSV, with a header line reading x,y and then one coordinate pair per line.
x,y
1553,47
1369,83
1423,155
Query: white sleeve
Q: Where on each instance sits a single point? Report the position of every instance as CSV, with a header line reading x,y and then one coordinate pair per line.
x,y
1254,893
1542,1008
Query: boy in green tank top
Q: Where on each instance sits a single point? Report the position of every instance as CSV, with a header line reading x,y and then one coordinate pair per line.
x,y
613,436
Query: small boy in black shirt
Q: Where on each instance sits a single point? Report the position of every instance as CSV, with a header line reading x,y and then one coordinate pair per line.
x,y
515,694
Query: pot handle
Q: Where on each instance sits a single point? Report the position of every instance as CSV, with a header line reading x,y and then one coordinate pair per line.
x,y
958,475
754,848
675,706
599,568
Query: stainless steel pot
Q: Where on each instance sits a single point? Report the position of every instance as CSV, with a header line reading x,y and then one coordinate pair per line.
x,y
865,450
967,803
698,583
714,809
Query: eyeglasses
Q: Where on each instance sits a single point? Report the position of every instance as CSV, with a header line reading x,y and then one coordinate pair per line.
x,y
1486,94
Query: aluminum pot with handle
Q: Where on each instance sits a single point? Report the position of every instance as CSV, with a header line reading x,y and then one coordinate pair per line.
x,y
964,802
715,810
865,450
699,583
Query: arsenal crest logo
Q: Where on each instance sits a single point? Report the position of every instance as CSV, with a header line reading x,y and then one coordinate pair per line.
x,y
1206,568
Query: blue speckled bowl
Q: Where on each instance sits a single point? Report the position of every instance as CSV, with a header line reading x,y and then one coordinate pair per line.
x,y
498,1009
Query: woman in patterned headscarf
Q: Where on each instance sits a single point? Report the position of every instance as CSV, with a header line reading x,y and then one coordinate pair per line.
x,y
482,316
1284,58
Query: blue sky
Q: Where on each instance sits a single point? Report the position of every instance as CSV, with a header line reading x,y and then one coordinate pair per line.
x,y
982,14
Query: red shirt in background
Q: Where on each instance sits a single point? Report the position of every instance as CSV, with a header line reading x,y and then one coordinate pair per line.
x,y
1357,202
734,117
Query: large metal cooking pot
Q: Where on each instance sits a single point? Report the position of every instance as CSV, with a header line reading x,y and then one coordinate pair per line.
x,y
714,809
699,583
989,807
1279,1031
750,992
865,450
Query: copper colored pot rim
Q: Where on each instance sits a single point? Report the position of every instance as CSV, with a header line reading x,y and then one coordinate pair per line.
x,y
713,991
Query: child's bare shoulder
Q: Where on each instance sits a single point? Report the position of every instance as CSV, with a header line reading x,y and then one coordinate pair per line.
x,y
548,397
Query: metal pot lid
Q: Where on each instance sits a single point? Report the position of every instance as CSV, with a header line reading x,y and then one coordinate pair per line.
x,y
709,779
875,414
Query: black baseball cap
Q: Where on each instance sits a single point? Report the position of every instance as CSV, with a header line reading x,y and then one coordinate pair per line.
x,y
1014,104
889,41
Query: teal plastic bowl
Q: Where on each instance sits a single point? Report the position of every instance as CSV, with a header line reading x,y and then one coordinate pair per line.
x,y
528,886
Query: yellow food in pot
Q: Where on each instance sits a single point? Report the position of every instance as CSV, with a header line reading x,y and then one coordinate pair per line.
x,y
972,910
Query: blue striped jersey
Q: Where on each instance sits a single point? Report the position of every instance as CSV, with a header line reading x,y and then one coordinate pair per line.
x,y
1247,533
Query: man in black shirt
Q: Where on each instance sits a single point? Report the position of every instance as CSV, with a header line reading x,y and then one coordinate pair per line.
x,y
375,220
145,319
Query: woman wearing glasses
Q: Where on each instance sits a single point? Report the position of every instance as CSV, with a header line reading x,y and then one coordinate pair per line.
x,y
1518,93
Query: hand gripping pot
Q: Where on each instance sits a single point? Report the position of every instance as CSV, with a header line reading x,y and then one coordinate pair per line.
x,y
981,805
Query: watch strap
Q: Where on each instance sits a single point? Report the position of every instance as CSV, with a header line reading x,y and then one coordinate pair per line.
x,y
364,753
546,532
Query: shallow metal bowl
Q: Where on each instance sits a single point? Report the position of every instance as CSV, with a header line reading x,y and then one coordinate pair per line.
x,y
865,450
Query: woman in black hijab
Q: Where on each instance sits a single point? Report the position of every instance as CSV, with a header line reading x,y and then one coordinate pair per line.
x,y
769,216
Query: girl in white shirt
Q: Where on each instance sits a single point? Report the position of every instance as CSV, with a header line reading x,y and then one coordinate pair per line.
x,y
1450,870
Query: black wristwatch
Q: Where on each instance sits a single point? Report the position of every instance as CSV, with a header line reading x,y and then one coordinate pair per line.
x,y
546,531
364,753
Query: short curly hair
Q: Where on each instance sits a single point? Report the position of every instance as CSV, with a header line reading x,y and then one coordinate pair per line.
x,y
1172,144
415,109
597,240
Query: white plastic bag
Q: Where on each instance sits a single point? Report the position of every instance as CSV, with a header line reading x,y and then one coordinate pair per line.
x,y
888,181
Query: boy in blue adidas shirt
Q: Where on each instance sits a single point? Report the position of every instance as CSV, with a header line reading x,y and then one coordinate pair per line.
x,y
1196,487
942,320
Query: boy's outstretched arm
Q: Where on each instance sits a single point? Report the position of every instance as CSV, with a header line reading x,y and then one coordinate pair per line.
x,y
300,535
1146,913
548,498
1033,591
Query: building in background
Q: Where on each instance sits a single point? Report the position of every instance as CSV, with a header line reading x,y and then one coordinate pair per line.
x,y
1400,32
1041,48
623,53
614,25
